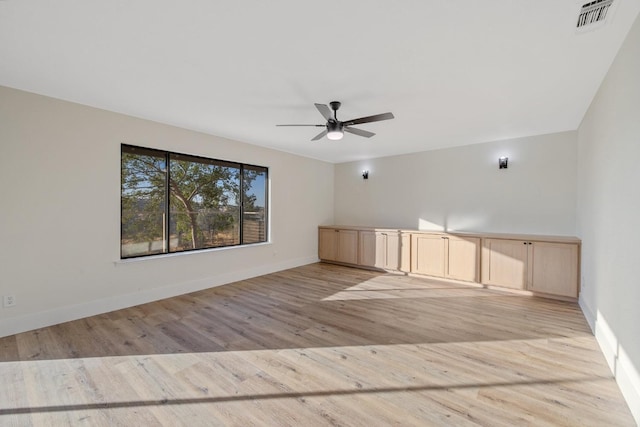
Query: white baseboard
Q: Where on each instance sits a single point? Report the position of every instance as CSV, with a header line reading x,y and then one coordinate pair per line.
x,y
28,322
588,313
628,379
621,366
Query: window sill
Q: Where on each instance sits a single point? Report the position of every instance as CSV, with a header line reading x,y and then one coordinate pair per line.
x,y
186,253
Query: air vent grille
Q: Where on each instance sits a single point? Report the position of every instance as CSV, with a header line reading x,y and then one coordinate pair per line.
x,y
592,12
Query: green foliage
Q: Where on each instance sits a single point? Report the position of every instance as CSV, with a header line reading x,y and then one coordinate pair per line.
x,y
142,200
203,195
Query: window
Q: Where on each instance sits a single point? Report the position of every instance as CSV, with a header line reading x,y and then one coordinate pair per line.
x,y
174,202
255,198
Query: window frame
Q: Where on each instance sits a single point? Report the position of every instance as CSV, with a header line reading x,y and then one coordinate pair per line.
x,y
167,156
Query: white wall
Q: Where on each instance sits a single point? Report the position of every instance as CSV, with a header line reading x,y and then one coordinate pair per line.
x,y
60,212
609,216
462,188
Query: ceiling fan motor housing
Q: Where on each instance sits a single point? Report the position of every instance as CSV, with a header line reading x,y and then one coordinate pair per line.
x,y
334,126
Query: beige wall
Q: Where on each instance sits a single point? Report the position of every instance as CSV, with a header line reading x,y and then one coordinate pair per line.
x,y
60,212
608,216
462,188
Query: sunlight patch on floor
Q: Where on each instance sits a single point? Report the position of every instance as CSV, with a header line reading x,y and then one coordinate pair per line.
x,y
379,288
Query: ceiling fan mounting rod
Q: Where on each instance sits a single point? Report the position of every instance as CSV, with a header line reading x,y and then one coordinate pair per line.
x,y
335,105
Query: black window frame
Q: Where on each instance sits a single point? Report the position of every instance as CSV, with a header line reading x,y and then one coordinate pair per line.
x,y
167,155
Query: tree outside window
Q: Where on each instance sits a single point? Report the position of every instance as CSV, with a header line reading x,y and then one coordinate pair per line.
x,y
211,203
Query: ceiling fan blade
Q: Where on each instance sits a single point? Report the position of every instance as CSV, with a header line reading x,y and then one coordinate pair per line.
x,y
321,126
325,111
369,119
358,132
320,135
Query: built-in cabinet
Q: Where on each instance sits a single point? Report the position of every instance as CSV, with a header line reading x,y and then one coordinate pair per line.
x,y
447,256
379,249
338,245
543,265
504,263
383,249
539,266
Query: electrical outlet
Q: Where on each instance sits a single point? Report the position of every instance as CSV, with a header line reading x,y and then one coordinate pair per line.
x,y
9,300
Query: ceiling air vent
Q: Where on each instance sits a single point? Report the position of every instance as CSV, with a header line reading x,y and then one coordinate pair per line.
x,y
592,13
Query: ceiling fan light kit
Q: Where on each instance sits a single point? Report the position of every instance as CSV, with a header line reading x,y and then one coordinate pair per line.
x,y
335,129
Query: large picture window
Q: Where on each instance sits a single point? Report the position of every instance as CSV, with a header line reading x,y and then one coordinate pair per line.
x,y
173,202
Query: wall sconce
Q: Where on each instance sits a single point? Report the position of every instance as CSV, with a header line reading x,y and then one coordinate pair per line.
x,y
365,174
503,162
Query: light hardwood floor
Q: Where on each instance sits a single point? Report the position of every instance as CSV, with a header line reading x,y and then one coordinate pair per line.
x,y
316,345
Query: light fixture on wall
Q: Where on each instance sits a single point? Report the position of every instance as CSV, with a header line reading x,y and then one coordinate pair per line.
x,y
365,174
503,162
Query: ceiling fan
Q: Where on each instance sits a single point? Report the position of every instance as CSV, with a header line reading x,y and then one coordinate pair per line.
x,y
334,128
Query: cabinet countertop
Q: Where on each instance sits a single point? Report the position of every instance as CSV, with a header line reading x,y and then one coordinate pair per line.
x,y
509,236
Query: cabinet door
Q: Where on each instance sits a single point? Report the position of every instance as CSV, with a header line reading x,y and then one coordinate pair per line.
x,y
368,251
347,251
554,268
504,263
379,249
428,254
405,252
463,255
392,250
327,244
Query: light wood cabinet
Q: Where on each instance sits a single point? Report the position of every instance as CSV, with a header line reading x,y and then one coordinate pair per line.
x,y
380,249
327,244
463,258
369,249
553,268
447,256
504,263
546,267
392,251
338,245
427,254
405,252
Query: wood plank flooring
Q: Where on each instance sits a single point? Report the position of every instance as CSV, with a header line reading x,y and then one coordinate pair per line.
x,y
316,345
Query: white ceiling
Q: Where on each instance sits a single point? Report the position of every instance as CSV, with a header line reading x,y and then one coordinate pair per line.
x,y
453,72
